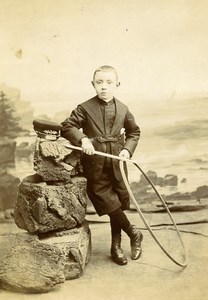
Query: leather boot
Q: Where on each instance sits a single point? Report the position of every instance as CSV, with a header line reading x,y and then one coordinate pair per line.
x,y
116,252
136,238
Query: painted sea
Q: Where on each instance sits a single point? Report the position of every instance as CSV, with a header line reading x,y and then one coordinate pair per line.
x,y
173,141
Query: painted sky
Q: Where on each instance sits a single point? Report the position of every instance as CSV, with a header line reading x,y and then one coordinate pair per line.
x,y
49,49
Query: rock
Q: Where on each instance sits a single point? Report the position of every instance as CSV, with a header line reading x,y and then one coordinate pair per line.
x,y
8,190
201,192
7,151
54,162
184,180
159,181
42,208
179,196
170,180
32,266
9,214
36,264
167,180
152,176
75,244
24,149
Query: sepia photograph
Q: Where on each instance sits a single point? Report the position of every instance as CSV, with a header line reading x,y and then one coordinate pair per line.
x,y
103,150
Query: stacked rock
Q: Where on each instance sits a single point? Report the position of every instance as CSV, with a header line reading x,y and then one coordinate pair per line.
x,y
51,208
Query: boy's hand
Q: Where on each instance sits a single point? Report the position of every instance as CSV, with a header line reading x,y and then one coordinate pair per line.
x,y
125,154
87,146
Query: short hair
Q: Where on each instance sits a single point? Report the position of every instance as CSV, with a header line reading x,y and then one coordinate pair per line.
x,y
105,68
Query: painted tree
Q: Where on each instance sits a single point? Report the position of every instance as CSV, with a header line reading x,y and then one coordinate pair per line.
x,y
9,120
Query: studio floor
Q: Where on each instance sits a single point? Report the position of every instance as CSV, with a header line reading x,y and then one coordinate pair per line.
x,y
154,276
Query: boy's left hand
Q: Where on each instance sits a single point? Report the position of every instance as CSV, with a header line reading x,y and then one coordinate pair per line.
x,y
125,154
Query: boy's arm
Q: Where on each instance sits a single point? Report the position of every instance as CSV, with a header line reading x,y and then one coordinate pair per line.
x,y
72,133
71,126
132,132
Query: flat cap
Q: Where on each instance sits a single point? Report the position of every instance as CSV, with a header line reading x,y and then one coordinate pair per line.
x,y
42,125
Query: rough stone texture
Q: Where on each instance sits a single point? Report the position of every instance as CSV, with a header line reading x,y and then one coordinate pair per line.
x,y
36,264
75,244
32,266
54,162
42,208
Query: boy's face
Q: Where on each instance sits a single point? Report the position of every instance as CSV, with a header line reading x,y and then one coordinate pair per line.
x,y
105,84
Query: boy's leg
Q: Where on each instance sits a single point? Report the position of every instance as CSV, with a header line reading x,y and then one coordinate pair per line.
x,y
108,194
102,194
136,237
105,199
116,250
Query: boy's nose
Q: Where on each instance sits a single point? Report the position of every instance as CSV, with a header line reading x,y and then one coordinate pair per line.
x,y
104,86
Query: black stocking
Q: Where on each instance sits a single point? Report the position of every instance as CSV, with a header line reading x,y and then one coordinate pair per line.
x,y
118,221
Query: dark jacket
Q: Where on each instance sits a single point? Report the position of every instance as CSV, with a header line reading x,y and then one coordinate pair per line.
x,y
88,117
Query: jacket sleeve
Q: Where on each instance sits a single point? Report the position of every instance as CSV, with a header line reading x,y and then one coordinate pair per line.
x,y
132,132
72,125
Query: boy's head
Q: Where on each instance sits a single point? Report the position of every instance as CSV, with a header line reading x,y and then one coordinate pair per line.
x,y
105,82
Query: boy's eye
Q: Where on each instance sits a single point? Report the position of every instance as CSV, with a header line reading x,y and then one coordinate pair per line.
x,y
100,82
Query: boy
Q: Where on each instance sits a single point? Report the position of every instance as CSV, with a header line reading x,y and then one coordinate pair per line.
x,y
109,127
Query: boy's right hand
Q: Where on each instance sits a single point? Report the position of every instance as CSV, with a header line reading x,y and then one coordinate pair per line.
x,y
87,146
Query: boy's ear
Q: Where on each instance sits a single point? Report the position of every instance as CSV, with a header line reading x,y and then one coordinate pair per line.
x,y
118,84
93,83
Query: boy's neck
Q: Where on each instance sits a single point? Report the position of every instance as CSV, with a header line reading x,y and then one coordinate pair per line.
x,y
106,100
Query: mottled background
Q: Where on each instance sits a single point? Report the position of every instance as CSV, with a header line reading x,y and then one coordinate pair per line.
x,y
49,50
